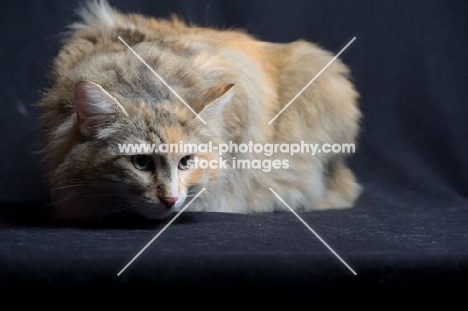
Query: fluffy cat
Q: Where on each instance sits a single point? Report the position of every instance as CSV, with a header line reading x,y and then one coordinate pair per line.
x,y
102,95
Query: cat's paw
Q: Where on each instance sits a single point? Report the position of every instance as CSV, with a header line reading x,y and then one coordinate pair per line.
x,y
342,191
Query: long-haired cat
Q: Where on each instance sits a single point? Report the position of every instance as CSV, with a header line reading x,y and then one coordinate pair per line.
x,y
102,95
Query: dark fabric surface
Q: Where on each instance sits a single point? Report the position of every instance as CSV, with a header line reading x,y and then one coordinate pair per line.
x,y
408,232
395,247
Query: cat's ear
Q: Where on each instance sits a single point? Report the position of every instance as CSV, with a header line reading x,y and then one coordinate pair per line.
x,y
95,107
216,98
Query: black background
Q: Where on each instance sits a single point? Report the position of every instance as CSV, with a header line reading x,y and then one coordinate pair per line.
x,y
409,63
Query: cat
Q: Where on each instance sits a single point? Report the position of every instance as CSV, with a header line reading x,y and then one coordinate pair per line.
x,y
214,86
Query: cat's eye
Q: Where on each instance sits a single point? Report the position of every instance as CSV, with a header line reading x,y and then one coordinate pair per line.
x,y
142,162
185,162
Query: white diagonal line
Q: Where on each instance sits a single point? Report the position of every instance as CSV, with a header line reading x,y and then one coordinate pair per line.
x,y
312,230
313,79
162,80
160,232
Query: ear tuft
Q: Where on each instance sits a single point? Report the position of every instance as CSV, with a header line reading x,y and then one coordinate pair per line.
x,y
95,107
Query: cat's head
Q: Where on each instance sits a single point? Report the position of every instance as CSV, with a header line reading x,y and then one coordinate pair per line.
x,y
101,171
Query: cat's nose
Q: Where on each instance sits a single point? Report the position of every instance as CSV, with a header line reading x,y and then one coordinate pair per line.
x,y
169,201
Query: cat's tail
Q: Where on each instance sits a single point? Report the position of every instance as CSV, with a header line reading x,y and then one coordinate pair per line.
x,y
96,13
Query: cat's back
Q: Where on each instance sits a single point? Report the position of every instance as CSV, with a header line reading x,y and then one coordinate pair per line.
x,y
101,29
96,48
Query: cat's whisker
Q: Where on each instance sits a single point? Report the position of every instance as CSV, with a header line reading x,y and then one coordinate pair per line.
x,y
69,186
90,193
126,207
107,204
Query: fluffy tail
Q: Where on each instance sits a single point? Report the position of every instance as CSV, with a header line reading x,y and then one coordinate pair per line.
x,y
95,12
